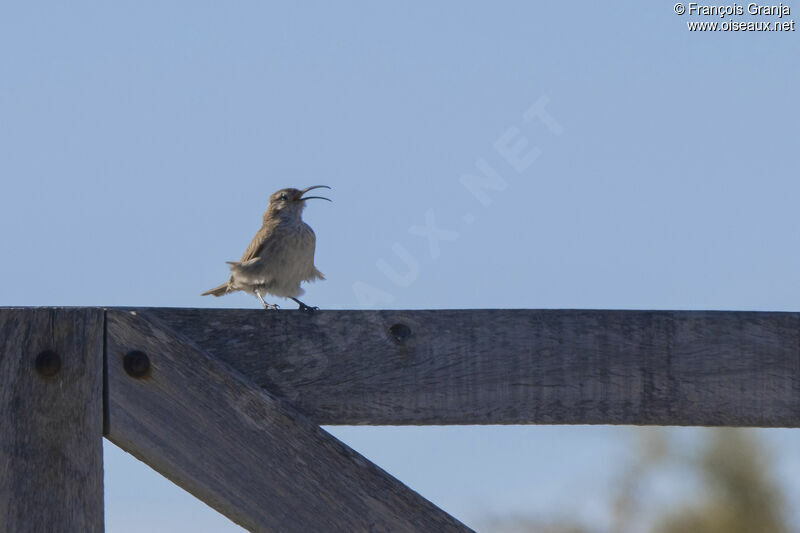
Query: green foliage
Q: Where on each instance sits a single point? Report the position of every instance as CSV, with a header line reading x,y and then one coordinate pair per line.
x,y
737,493
739,496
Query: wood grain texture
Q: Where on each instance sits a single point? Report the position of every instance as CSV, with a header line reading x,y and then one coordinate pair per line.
x,y
51,428
240,449
701,368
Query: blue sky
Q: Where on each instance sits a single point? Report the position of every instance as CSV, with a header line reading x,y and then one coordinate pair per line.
x,y
139,144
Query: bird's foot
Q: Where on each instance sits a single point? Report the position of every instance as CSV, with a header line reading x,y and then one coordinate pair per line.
x,y
305,308
271,307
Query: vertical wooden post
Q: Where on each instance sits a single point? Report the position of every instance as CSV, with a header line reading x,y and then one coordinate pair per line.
x,y
51,420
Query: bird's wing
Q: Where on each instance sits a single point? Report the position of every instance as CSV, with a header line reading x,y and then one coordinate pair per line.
x,y
250,269
248,273
256,245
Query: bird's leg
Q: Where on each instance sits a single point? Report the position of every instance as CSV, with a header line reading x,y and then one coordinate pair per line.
x,y
265,304
304,307
262,299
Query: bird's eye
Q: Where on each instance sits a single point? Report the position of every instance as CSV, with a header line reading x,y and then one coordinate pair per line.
x,y
284,197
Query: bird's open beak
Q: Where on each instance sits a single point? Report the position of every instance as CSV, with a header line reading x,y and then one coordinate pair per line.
x,y
301,198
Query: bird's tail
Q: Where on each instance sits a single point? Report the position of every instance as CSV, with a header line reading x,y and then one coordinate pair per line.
x,y
217,291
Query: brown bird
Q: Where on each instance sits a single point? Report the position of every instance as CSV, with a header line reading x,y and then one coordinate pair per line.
x,y
281,255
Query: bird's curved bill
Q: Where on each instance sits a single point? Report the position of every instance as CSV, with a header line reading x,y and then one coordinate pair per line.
x,y
310,189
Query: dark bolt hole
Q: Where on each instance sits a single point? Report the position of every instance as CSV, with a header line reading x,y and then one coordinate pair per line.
x,y
48,363
136,364
400,332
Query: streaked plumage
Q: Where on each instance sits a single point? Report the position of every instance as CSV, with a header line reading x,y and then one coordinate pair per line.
x,y
280,256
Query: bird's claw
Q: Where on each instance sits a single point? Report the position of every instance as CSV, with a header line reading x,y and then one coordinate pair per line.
x,y
303,307
271,307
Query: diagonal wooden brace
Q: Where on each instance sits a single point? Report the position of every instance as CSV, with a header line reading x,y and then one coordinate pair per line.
x,y
240,449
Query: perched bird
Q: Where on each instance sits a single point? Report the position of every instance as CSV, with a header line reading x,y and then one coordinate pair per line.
x,y
281,255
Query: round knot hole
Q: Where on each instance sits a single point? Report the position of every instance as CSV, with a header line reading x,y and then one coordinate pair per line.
x,y
48,363
136,364
400,332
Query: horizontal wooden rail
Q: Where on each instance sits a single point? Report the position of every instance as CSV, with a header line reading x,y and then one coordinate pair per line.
x,y
706,368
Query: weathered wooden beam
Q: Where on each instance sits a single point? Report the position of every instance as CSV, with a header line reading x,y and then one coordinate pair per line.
x,y
514,366
51,420
240,449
